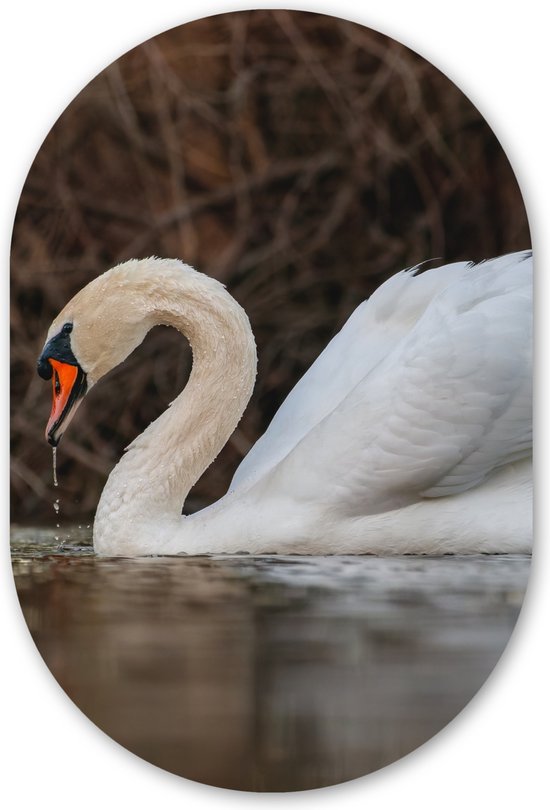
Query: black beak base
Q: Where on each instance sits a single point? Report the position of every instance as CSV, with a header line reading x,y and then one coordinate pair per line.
x,y
57,348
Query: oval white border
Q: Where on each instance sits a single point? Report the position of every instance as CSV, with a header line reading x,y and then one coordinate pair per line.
x,y
492,755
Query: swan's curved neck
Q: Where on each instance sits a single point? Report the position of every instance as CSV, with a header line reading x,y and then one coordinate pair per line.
x,y
146,490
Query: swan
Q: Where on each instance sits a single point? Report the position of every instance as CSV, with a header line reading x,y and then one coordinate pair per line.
x,y
410,434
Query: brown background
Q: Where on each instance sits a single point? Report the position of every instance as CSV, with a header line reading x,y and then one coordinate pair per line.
x,y
298,158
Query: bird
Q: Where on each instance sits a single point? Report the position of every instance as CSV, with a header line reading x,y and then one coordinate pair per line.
x,y
410,434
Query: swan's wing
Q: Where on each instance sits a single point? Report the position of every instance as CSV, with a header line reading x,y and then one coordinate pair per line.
x,y
369,335
447,406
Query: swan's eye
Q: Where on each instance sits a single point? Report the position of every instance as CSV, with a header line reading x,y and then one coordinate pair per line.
x,y
57,384
68,327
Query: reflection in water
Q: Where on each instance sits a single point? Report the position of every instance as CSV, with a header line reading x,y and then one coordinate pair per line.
x,y
267,673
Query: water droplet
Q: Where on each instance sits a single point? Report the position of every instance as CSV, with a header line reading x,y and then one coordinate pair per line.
x,y
54,465
56,506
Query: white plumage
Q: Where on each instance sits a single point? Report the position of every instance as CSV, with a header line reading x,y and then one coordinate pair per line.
x,y
411,433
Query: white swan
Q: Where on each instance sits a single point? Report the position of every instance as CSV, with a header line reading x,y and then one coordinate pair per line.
x,y
411,433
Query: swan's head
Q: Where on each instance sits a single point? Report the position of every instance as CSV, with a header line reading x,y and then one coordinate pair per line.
x,y
92,334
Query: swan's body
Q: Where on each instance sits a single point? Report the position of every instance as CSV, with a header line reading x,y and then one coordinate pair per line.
x,y
411,433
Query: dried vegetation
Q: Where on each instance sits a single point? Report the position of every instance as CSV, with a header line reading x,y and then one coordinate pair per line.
x,y
298,158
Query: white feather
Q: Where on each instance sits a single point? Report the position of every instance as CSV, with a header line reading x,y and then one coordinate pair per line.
x,y
422,398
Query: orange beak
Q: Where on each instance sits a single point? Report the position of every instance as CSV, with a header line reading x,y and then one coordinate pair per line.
x,y
68,386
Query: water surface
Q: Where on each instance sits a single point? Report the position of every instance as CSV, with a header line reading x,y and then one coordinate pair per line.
x,y
266,673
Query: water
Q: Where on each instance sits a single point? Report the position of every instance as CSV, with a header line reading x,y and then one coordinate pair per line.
x,y
266,673
56,505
